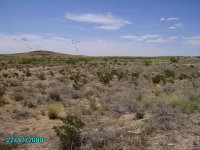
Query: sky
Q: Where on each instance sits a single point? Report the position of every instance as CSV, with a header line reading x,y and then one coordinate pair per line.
x,y
101,27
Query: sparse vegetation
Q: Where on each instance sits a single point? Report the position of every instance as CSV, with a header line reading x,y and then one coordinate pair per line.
x,y
124,103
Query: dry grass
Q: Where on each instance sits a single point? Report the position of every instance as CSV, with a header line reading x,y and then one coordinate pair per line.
x,y
125,102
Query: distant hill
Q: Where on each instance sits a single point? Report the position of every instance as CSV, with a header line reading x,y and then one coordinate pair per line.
x,y
40,53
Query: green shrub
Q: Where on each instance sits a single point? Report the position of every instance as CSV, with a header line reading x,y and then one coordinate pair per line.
x,y
169,74
140,115
158,78
29,104
69,133
173,59
147,62
105,76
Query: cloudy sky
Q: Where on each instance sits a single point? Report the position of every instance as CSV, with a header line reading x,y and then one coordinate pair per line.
x,y
101,27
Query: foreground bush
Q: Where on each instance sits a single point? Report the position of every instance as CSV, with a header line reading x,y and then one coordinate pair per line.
x,y
69,133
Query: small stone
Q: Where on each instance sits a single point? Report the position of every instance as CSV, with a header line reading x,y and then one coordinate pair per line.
x,y
170,144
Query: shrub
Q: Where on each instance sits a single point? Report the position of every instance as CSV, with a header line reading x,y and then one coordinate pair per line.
x,y
54,96
124,104
140,115
28,73
164,117
158,78
18,96
119,73
29,104
75,94
53,111
41,76
147,62
182,76
69,133
77,85
173,59
169,74
105,76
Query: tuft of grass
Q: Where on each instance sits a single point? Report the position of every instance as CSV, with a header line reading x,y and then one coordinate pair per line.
x,y
93,104
53,111
86,111
186,106
143,138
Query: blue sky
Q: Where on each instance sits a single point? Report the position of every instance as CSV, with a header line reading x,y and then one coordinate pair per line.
x,y
106,27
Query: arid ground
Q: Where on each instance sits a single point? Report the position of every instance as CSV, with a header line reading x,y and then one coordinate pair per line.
x,y
100,103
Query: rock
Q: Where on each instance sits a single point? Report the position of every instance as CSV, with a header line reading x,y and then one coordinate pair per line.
x,y
170,144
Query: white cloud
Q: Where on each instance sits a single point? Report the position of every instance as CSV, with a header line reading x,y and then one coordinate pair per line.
x,y
178,25
95,46
172,28
169,19
193,40
106,21
149,38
